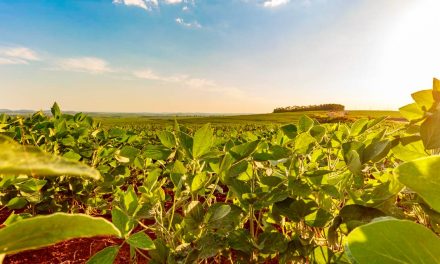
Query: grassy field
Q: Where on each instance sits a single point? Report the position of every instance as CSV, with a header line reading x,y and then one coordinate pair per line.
x,y
278,118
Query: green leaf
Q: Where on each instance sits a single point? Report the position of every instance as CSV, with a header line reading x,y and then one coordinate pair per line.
x,y
130,200
72,155
240,240
157,152
393,241
359,127
354,215
275,152
177,172
409,148
186,143
430,131
217,213
244,150
290,131
12,218
376,151
237,169
356,146
272,242
422,176
167,139
199,181
17,203
303,143
104,256
129,152
411,112
424,99
121,221
305,123
55,110
376,121
141,240
116,132
354,163
203,140
152,178
436,90
318,218
318,132
41,231
17,159
321,255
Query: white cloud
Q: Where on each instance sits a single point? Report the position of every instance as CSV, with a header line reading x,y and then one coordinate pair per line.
x,y
198,84
85,64
17,55
171,2
149,4
144,4
4,61
148,74
275,3
182,22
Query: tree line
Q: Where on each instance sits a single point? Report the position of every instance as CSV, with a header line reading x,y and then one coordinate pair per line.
x,y
321,107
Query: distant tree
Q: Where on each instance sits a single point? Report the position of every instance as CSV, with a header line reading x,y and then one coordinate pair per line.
x,y
321,107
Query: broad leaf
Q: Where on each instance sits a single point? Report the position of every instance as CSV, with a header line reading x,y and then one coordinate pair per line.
x,y
422,176
393,241
305,123
244,150
430,131
376,151
203,140
157,152
17,159
199,181
424,99
41,231
409,148
105,256
359,127
167,139
141,240
411,112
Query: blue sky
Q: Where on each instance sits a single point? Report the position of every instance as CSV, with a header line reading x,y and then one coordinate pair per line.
x,y
238,56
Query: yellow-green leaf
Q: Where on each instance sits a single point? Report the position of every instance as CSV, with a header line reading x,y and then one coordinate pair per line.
x,y
42,231
17,159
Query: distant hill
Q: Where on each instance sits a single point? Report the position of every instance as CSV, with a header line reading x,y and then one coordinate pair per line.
x,y
118,114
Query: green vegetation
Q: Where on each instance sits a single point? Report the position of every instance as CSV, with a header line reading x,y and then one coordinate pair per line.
x,y
321,107
290,191
240,120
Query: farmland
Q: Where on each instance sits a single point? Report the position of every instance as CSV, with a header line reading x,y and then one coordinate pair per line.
x,y
234,120
269,188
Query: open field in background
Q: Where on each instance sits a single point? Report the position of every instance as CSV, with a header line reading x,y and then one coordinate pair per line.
x,y
271,118
246,189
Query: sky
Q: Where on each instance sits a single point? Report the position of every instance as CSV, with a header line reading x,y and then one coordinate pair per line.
x,y
215,56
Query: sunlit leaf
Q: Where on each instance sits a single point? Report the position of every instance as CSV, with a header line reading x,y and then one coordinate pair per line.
x,y
17,159
41,231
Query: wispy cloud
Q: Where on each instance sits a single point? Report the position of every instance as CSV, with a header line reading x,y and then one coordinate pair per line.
x,y
171,2
275,3
193,83
84,64
193,24
149,5
17,55
144,4
148,75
